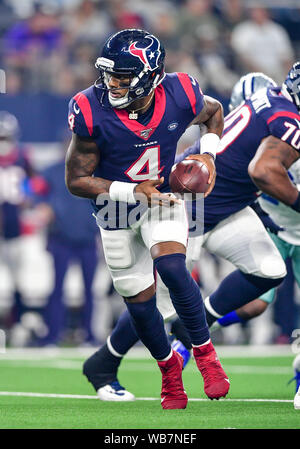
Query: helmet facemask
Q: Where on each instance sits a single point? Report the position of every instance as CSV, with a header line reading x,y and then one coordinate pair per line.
x,y
115,102
291,85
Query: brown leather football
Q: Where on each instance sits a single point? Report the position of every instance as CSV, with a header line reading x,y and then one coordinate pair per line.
x,y
189,176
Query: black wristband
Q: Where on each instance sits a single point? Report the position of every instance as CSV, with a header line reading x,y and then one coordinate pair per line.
x,y
296,204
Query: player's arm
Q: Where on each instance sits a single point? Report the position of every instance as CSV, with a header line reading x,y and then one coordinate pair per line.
x,y
268,170
81,161
212,117
82,158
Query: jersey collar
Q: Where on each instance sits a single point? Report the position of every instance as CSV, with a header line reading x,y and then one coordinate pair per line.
x,y
141,131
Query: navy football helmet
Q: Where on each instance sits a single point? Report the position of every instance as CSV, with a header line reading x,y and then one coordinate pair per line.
x,y
247,85
291,84
134,54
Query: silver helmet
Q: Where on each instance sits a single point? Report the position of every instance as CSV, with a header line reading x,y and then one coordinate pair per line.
x,y
247,85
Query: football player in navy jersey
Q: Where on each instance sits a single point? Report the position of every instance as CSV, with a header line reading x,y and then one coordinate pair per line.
x,y
262,130
281,221
13,171
261,137
125,131
17,177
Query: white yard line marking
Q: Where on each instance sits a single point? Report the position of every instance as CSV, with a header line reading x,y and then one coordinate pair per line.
x,y
77,396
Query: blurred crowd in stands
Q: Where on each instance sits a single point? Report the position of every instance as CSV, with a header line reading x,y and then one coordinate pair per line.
x,y
49,47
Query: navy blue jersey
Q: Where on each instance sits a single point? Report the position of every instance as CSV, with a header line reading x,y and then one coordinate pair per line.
x,y
14,168
131,151
266,113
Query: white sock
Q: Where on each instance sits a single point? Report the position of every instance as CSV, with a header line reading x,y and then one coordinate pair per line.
x,y
199,346
111,349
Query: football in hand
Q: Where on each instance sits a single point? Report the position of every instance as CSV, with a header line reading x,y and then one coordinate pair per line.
x,y
189,176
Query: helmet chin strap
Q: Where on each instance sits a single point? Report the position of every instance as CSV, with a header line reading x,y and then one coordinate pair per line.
x,y
119,103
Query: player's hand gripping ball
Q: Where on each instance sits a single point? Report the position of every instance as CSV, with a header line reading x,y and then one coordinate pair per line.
x,y
189,176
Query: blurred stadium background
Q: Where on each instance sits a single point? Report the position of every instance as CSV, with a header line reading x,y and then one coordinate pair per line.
x,y
47,50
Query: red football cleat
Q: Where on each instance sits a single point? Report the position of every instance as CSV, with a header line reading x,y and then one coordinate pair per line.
x,y
216,382
173,395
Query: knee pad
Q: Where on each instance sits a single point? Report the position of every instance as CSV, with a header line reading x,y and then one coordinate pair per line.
x,y
117,251
273,267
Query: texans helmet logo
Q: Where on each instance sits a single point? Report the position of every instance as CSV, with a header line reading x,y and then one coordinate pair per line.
x,y
148,55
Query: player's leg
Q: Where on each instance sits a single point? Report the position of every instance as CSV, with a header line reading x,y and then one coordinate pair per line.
x,y
131,268
88,261
243,314
296,368
149,325
102,367
296,363
182,342
257,306
54,312
166,236
242,240
11,250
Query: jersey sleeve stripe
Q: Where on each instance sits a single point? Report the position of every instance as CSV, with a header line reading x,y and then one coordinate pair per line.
x,y
188,89
86,110
283,114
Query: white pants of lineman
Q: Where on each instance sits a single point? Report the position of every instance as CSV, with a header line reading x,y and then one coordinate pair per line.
x,y
127,251
242,240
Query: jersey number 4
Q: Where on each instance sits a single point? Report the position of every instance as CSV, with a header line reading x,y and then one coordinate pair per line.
x,y
146,167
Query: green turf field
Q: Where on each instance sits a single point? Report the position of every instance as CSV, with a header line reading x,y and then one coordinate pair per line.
x,y
43,389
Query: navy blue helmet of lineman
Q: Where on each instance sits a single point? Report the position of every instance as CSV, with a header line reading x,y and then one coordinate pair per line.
x,y
134,54
247,85
291,84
